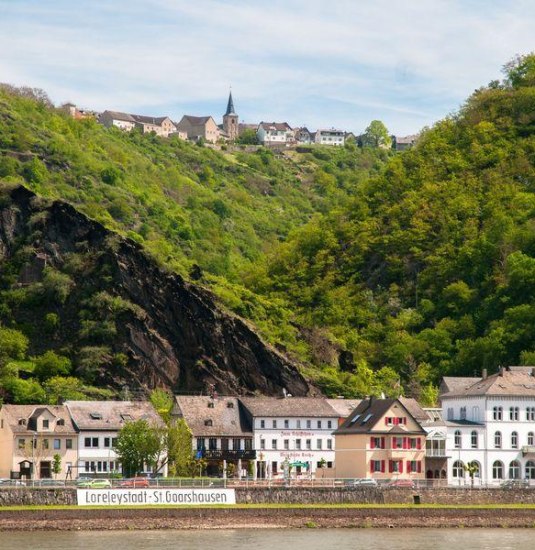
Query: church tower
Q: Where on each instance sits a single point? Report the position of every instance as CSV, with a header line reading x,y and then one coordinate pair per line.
x,y
230,120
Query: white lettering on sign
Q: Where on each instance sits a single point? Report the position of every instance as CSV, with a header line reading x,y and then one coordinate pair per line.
x,y
150,497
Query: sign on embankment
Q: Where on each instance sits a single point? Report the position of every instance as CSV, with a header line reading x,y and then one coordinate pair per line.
x,y
152,497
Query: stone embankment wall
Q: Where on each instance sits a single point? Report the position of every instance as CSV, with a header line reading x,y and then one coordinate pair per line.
x,y
303,495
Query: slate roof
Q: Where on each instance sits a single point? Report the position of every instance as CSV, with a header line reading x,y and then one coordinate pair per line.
x,y
227,416
230,106
456,383
117,115
14,413
279,126
368,413
289,407
195,120
111,415
149,119
510,381
343,407
415,409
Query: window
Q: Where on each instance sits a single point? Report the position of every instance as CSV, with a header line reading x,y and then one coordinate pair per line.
x,y
212,443
450,413
329,424
473,440
107,442
396,466
498,440
236,444
45,443
514,470
497,413
309,424
46,424
531,438
397,443
114,442
263,444
530,413
200,443
299,424
286,444
319,424
57,444
513,413
309,444
530,469
208,423
286,423
514,440
274,423
60,422
68,443
262,423
475,414
298,444
377,466
91,442
463,413
22,443
457,439
377,443
274,444
458,469
497,470
414,466
329,444
319,444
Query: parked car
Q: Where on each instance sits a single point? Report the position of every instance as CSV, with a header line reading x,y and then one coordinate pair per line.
x,y
515,484
363,482
408,483
94,484
134,482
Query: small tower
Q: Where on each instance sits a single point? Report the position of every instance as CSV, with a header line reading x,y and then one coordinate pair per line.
x,y
230,120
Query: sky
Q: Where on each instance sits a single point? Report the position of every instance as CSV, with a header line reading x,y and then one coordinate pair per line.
x,y
319,63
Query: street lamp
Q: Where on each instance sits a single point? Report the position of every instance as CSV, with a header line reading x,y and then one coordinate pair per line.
x,y
34,444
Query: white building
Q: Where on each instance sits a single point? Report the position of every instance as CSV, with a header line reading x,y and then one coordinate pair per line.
x,y
491,423
275,133
98,424
292,431
330,137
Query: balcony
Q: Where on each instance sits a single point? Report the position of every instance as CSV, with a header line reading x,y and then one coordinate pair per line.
x,y
528,450
436,453
213,454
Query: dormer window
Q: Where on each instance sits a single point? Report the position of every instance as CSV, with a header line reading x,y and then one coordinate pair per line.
x,y
95,416
210,404
60,422
46,424
230,405
126,417
22,422
208,423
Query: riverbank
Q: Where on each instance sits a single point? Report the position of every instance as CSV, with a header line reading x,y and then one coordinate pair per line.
x,y
273,517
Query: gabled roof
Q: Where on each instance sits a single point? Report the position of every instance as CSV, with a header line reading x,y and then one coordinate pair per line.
x,y
279,126
157,121
29,413
196,120
221,416
414,408
456,383
289,407
509,381
369,412
343,407
111,415
117,115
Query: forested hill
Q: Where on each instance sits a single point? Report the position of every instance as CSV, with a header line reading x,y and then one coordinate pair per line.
x,y
376,272
430,270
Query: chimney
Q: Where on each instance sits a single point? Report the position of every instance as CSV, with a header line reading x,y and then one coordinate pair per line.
x,y
484,374
532,373
501,371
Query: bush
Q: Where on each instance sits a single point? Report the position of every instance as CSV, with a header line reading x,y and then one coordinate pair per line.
x,y
50,364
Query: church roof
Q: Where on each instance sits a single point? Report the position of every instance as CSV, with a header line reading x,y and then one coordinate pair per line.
x,y
230,106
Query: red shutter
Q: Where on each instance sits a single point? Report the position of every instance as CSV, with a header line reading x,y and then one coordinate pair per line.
x,y
386,420
371,466
418,443
383,443
405,420
383,468
405,442
372,443
408,466
390,466
401,466
419,466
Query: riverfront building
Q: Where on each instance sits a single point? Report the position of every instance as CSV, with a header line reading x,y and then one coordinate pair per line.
x,y
491,425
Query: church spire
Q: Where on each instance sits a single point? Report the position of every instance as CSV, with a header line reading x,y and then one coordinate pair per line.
x,y
230,105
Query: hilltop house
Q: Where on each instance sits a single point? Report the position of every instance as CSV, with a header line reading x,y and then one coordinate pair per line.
x,y
123,121
161,126
330,137
381,439
97,424
199,127
275,133
303,136
491,424
30,436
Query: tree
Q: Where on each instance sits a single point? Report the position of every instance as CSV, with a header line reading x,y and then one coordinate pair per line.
x,y
138,445
376,135
51,364
179,451
248,137
472,468
520,71
56,464
162,401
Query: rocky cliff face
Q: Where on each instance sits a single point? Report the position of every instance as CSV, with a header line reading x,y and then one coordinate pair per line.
x,y
123,319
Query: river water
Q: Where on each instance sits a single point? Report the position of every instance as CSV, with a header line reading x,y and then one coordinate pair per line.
x,y
280,539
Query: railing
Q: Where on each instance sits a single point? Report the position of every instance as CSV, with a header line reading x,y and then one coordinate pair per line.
x,y
220,454
436,453
528,449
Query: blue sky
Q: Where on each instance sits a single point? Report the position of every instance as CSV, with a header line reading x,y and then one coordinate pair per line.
x,y
318,63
